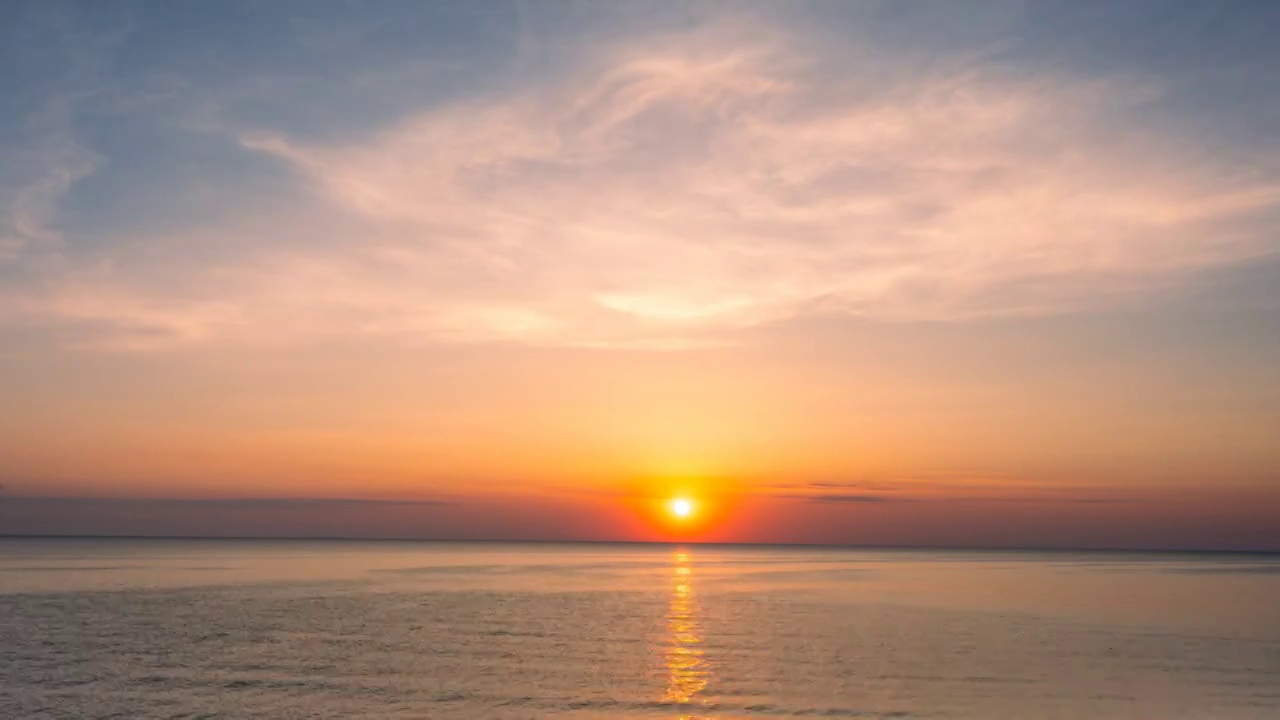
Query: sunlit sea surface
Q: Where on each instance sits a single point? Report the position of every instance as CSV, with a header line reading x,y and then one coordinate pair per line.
x,y
320,629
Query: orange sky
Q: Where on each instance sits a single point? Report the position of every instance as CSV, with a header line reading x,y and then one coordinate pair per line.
x,y
797,436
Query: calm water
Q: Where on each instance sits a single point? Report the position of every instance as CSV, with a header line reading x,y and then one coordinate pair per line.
x,y
250,629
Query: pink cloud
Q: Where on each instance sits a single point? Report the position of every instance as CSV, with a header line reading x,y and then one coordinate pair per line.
x,y
683,186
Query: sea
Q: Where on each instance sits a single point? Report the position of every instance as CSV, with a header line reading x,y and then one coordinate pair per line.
x,y
151,628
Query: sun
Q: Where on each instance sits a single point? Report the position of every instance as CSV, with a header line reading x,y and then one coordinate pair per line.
x,y
682,507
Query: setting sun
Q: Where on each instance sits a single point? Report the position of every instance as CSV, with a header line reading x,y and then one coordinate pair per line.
x,y
682,507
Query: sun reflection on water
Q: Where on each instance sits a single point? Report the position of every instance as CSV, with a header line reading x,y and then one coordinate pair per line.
x,y
686,662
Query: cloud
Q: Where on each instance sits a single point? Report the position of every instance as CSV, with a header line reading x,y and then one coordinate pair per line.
x,y
1054,498
44,158
955,488
1227,570
283,504
673,188
40,174
839,498
243,516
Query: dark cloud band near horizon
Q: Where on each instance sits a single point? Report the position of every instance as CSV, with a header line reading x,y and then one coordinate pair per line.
x,y
1156,521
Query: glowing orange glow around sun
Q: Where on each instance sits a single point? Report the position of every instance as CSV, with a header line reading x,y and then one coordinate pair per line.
x,y
682,507
689,511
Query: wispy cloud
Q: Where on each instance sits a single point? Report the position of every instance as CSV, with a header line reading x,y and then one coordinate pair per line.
x,y
954,488
1053,498
679,186
43,158
244,503
40,174
845,498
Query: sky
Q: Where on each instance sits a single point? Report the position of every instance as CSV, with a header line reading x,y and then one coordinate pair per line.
x,y
889,273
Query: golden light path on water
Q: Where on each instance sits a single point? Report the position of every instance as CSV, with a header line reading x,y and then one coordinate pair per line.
x,y
687,668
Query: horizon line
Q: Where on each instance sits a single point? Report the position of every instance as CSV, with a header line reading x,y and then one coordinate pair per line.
x,y
517,541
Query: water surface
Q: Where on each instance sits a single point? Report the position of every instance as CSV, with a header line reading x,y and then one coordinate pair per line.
x,y
331,629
